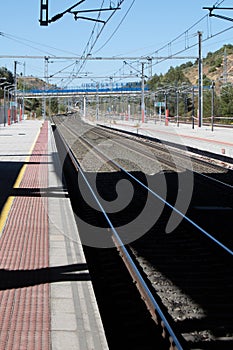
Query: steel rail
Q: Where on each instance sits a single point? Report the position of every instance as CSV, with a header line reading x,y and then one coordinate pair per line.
x,y
120,244
178,155
99,154
199,228
179,213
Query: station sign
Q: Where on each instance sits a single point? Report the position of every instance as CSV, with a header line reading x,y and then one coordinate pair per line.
x,y
159,104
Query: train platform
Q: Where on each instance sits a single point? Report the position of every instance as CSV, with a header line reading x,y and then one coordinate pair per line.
x,y
47,299
218,142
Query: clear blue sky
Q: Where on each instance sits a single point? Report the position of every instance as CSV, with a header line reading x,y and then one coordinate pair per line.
x,y
148,26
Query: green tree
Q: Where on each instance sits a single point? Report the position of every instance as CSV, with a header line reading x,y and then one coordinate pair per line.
x,y
53,106
33,105
207,103
226,101
176,76
155,82
5,73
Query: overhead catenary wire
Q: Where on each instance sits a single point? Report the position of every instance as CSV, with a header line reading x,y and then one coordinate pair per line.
x,y
184,34
19,40
24,41
79,65
218,3
179,36
89,46
114,32
194,45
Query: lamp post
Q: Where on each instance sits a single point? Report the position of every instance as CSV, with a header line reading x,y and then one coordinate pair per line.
x,y
193,107
15,91
168,90
7,85
212,105
3,84
177,106
165,100
97,102
2,78
97,98
10,96
143,95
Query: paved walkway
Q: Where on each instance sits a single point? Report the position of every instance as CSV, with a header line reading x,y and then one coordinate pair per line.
x,y
219,141
46,294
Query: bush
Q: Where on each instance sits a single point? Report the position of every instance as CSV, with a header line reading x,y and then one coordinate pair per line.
x,y
212,70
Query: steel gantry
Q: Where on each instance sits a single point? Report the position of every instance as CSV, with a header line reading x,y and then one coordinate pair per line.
x,y
211,14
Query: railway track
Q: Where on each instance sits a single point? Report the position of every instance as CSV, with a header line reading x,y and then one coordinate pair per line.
x,y
187,272
210,176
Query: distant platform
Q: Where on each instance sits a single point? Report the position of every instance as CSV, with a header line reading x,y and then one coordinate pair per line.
x,y
219,141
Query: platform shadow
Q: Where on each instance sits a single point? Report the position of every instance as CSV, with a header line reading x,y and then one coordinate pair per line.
x,y
55,192
171,254
11,279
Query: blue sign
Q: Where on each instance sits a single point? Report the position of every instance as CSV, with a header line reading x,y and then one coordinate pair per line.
x,y
159,104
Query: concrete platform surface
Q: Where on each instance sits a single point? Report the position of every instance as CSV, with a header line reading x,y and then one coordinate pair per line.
x,y
219,141
47,299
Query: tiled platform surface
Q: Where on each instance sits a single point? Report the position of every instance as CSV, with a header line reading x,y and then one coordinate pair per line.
x,y
46,294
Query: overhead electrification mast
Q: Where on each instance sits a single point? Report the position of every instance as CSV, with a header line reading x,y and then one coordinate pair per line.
x,y
44,12
44,9
214,8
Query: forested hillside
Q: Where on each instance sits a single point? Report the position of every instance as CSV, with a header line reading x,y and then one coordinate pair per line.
x,y
217,72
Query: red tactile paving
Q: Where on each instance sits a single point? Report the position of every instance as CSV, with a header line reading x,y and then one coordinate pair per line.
x,y
24,260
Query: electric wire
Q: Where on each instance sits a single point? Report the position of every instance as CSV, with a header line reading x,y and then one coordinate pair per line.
x,y
195,44
87,51
8,36
114,32
218,3
92,41
21,41
180,35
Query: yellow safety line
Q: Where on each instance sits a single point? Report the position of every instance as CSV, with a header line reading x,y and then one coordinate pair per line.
x,y
7,207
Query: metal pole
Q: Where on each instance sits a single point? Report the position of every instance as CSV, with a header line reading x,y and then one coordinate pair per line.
x,y
97,101
4,109
143,97
193,111
44,19
46,85
8,85
212,106
177,106
84,107
15,97
10,95
165,100
23,104
200,81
